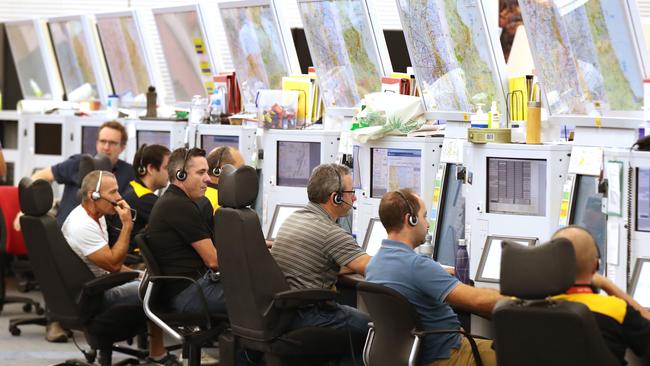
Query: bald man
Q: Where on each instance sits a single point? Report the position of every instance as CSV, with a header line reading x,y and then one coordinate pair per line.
x,y
621,323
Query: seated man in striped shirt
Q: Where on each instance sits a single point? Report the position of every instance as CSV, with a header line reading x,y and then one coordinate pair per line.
x,y
310,249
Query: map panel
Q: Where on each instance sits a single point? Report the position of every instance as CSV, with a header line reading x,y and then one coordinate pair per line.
x,y
585,56
256,48
26,51
124,55
73,58
451,54
342,46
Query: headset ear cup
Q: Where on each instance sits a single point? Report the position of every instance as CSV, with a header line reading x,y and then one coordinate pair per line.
x,y
413,220
181,175
95,196
216,171
142,170
338,198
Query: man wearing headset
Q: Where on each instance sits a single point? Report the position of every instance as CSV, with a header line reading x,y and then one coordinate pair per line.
x,y
180,239
623,322
310,249
85,230
217,158
425,283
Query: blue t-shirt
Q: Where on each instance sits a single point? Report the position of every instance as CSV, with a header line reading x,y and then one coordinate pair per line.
x,y
426,285
67,173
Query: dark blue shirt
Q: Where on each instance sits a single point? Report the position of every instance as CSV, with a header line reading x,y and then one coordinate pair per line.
x,y
426,285
67,173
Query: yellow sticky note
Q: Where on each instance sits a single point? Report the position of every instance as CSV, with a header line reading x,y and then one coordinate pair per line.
x,y
598,122
209,87
465,117
199,47
205,68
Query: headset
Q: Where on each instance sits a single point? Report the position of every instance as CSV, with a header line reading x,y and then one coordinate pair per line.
x,y
181,174
216,169
413,219
142,169
338,194
95,196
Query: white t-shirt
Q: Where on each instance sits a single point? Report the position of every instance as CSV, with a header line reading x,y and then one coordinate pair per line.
x,y
85,236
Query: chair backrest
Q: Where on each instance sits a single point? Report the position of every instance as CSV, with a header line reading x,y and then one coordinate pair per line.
x,y
394,319
249,273
153,269
88,163
57,268
544,331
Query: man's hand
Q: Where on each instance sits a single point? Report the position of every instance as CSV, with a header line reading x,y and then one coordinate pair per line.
x,y
124,211
269,244
17,221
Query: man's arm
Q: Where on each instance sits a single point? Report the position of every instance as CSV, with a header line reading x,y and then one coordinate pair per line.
x,y
358,264
112,259
476,300
45,174
208,252
611,289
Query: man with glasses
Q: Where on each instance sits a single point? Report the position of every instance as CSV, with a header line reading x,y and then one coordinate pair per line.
x,y
111,141
311,250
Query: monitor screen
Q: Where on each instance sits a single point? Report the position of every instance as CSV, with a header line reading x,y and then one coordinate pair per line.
x,y
374,236
356,168
516,186
47,138
586,211
643,199
489,268
89,139
451,220
295,162
394,169
281,213
153,137
210,142
640,285
124,55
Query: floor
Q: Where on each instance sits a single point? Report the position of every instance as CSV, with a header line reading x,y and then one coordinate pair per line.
x,y
30,348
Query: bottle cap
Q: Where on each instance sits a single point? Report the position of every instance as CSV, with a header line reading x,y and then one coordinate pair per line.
x,y
533,104
461,242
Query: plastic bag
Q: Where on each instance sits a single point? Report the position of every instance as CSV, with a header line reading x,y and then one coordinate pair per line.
x,y
388,114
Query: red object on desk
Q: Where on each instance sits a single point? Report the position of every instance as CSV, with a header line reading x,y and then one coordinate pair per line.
x,y
10,208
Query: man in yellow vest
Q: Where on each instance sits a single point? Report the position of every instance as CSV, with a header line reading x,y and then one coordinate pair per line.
x,y
217,158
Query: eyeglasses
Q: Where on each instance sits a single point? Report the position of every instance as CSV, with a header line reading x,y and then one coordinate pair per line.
x,y
351,192
109,142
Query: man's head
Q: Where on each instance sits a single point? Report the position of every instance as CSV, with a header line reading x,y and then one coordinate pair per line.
x,y
586,251
404,216
188,170
150,165
99,190
111,140
220,156
330,185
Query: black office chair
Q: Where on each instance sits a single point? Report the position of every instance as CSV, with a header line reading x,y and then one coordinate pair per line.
x,y
534,329
73,294
259,302
193,330
396,332
88,163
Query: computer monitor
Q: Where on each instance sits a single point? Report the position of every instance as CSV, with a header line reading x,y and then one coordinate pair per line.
x,y
489,268
586,211
516,186
153,137
643,199
209,142
394,169
89,139
374,236
47,138
450,223
640,285
281,213
295,161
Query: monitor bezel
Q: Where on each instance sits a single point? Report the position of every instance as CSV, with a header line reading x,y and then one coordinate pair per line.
x,y
366,239
275,217
486,250
635,276
441,199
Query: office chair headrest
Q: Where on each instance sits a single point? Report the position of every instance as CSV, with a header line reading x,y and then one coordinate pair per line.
x,y
237,187
35,197
536,272
88,163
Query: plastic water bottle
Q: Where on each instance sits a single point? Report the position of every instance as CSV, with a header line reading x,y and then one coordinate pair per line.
x,y
426,248
197,110
462,262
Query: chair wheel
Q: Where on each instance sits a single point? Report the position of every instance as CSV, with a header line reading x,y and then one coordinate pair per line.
x,y
15,331
39,309
90,356
27,308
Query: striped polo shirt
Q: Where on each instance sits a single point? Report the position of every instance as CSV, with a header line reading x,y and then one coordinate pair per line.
x,y
310,248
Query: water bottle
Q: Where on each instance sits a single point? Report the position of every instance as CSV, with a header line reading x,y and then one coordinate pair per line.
x,y
426,248
197,110
462,262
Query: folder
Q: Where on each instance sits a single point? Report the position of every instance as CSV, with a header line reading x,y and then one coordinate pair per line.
x,y
305,88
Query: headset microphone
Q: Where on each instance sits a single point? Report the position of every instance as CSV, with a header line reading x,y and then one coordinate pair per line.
x,y
349,204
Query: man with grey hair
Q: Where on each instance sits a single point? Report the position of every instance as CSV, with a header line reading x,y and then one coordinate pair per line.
x,y
85,230
311,249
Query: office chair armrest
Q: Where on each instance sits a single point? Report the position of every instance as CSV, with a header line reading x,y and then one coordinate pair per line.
x,y
103,283
202,299
296,298
470,339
